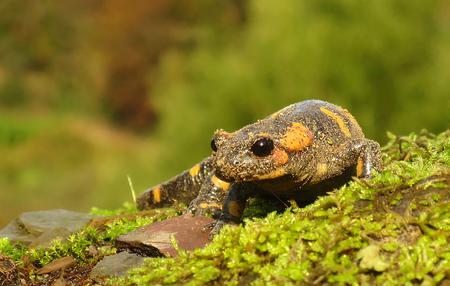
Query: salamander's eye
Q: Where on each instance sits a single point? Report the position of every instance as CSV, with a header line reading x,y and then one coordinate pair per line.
x,y
262,147
213,145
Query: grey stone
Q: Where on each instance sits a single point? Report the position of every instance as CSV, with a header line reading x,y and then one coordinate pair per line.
x,y
41,221
156,239
16,232
39,228
116,265
45,239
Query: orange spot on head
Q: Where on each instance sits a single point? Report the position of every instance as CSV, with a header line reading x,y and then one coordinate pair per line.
x,y
194,170
336,118
280,157
359,167
156,192
297,137
220,183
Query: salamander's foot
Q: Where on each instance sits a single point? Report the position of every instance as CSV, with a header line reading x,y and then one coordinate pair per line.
x,y
223,219
214,228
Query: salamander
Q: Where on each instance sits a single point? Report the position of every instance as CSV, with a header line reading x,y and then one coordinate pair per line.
x,y
300,152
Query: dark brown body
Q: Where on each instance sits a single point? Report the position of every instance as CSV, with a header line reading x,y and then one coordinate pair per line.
x,y
299,152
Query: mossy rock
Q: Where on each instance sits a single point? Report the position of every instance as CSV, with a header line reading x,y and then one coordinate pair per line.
x,y
393,229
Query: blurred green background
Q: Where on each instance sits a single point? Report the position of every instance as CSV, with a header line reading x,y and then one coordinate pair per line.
x,y
92,91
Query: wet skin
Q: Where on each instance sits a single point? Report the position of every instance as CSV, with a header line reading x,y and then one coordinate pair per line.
x,y
300,152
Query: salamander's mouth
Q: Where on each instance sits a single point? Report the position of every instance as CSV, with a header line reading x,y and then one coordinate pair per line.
x,y
221,175
275,174
236,178
250,177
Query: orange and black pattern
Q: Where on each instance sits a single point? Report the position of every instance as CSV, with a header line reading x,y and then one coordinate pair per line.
x,y
299,152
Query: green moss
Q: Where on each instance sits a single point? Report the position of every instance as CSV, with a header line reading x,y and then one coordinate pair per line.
x,y
392,229
16,252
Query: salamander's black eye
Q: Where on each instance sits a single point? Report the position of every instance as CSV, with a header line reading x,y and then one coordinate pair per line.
x,y
213,145
262,147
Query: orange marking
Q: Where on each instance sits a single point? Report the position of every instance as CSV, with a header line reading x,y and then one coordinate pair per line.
x,y
280,157
220,183
194,170
272,175
297,137
336,118
359,167
156,192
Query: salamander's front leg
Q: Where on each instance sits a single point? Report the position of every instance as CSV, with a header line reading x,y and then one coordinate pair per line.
x,y
210,198
233,207
182,188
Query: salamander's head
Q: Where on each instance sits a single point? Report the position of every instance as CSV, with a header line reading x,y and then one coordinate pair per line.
x,y
260,151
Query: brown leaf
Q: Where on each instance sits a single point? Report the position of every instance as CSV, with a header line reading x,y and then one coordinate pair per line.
x,y
57,264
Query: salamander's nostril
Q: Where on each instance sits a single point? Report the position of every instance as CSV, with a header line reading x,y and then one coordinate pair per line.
x,y
235,162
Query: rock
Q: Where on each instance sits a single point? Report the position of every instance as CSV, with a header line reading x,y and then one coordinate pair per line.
x,y
45,239
41,221
116,265
39,228
16,232
155,239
